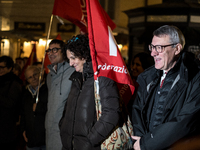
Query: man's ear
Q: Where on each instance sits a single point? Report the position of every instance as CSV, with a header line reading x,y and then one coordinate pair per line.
x,y
178,49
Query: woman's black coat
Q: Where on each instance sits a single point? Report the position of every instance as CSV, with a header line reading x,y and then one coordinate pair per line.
x,y
79,127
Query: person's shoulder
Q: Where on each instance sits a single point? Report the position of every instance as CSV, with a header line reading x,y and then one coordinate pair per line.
x,y
68,67
15,79
148,72
75,75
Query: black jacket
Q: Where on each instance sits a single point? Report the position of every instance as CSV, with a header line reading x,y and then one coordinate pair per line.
x,y
33,122
10,94
79,128
181,107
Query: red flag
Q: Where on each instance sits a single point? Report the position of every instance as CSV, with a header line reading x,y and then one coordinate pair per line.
x,y
70,10
75,11
106,57
32,58
46,63
58,37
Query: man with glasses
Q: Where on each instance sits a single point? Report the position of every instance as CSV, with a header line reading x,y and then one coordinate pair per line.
x,y
166,110
33,113
10,95
59,86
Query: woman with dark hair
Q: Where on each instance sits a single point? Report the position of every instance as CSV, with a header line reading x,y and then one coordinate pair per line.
x,y
139,63
79,128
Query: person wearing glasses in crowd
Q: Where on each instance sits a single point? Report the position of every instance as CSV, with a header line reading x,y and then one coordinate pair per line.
x,y
33,113
10,94
165,113
59,85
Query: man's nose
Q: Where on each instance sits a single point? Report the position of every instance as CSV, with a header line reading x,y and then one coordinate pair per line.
x,y
154,52
134,66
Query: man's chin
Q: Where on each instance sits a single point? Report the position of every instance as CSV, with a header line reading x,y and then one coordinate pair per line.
x,y
158,67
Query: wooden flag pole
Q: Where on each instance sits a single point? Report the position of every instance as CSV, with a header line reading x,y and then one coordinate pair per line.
x,y
41,72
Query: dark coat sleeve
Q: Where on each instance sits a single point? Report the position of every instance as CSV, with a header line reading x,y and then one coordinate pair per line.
x,y
9,99
138,104
22,121
109,119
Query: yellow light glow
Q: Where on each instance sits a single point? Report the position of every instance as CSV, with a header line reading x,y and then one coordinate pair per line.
x,y
8,2
27,43
120,46
5,47
42,42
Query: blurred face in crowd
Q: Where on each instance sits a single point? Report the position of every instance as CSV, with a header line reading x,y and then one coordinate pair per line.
x,y
16,72
166,59
20,62
136,67
32,76
3,69
55,55
76,62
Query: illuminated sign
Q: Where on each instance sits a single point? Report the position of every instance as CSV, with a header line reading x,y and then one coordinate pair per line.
x,y
30,26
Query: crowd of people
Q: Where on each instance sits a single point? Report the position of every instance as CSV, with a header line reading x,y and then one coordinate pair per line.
x,y
57,111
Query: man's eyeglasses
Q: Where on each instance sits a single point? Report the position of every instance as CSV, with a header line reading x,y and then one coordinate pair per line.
x,y
159,48
53,50
2,67
33,76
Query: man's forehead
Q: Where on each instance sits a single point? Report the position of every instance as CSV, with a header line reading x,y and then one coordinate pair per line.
x,y
160,39
32,71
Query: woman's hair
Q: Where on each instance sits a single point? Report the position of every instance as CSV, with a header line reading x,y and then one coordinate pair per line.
x,y
79,46
145,59
8,61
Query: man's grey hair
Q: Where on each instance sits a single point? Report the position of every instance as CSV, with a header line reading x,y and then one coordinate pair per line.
x,y
175,34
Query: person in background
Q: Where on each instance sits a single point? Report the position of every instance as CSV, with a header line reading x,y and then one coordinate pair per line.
x,y
20,61
25,60
59,85
139,63
39,65
10,94
33,114
79,128
167,107
17,69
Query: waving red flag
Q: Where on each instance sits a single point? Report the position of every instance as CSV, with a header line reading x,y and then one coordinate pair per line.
x,y
32,58
106,57
71,10
75,11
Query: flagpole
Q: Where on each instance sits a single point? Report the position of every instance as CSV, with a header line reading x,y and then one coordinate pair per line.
x,y
41,72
